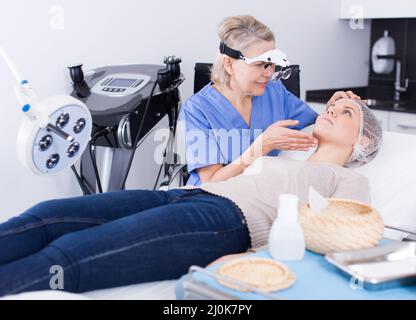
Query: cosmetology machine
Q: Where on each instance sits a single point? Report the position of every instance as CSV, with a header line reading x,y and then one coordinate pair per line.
x,y
55,131
125,102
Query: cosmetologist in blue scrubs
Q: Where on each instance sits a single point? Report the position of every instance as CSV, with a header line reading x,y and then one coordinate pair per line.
x,y
245,99
209,109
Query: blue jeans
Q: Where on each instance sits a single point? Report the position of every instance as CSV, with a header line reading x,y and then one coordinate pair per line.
x,y
116,239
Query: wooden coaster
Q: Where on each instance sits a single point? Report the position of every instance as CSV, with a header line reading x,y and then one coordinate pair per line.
x,y
263,274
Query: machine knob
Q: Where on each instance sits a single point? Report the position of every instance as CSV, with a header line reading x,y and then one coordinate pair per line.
x,y
172,64
76,73
80,85
164,78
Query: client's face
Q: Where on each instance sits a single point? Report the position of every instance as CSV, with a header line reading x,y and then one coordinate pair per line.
x,y
339,124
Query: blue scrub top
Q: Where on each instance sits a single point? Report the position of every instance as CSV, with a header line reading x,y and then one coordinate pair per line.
x,y
216,133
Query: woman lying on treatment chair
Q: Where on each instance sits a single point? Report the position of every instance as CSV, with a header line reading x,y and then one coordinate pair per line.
x,y
129,237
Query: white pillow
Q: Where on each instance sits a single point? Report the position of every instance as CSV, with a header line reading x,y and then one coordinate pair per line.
x,y
392,177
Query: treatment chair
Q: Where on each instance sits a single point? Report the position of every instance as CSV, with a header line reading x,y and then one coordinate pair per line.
x,y
392,181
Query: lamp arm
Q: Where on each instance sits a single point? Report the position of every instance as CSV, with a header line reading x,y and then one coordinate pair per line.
x,y
24,92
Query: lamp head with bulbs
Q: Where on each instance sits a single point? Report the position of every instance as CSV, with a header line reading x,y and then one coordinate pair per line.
x,y
55,131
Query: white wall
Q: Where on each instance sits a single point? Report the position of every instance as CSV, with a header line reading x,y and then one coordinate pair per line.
x,y
97,33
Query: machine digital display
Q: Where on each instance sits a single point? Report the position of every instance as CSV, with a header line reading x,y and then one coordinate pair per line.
x,y
123,83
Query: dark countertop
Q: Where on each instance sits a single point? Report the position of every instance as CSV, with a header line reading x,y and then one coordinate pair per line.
x,y
376,100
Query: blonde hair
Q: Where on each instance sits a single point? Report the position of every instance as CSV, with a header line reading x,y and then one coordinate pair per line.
x,y
238,33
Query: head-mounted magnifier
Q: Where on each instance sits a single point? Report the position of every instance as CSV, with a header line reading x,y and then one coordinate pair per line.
x,y
270,57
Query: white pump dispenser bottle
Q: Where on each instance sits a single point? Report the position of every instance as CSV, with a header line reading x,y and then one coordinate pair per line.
x,y
286,239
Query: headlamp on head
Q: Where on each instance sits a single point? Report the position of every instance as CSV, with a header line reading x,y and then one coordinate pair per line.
x,y
270,57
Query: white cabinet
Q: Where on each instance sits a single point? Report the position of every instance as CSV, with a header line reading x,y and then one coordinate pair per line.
x,y
388,120
402,122
383,119
373,9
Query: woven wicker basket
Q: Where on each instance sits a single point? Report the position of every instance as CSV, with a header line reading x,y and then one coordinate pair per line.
x,y
344,225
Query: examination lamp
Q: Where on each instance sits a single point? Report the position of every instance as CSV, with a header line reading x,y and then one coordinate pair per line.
x,y
55,131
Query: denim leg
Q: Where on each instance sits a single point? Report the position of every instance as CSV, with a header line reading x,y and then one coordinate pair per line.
x,y
156,244
49,220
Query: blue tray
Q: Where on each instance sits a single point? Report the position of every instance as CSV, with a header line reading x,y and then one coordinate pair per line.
x,y
316,279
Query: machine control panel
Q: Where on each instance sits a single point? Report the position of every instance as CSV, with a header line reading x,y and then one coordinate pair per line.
x,y
122,84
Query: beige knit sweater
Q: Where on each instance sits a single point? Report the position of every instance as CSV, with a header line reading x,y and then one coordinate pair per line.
x,y
256,191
